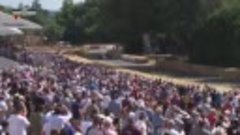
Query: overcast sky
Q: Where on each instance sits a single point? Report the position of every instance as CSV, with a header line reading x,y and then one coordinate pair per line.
x,y
47,4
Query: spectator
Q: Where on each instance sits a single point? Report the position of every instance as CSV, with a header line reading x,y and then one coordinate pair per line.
x,y
18,123
141,124
109,128
131,129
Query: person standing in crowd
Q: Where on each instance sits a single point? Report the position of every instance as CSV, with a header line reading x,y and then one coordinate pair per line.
x,y
169,128
114,106
157,120
131,129
18,123
96,128
36,119
73,128
76,107
56,121
3,108
141,124
109,128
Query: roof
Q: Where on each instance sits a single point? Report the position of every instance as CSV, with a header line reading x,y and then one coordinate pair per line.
x,y
7,20
7,31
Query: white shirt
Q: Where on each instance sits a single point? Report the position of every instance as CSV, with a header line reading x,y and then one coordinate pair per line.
x,y
3,106
141,126
95,131
106,101
65,118
18,125
218,130
85,125
235,102
77,133
54,122
110,132
47,129
86,102
170,132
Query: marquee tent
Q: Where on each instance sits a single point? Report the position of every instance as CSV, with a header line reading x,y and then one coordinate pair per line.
x,y
9,31
7,20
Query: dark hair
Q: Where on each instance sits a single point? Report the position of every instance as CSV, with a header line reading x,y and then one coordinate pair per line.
x,y
116,121
39,108
19,107
107,112
4,124
54,132
58,109
63,132
218,123
142,116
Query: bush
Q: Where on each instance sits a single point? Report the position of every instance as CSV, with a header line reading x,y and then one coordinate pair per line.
x,y
218,41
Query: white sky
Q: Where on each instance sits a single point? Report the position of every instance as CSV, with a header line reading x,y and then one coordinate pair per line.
x,y
47,4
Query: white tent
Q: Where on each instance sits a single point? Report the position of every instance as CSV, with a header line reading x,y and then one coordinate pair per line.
x,y
7,20
9,31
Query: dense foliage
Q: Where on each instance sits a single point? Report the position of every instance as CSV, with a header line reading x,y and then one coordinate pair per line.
x,y
217,42
5,9
125,21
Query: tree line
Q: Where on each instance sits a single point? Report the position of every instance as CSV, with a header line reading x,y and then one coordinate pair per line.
x,y
205,30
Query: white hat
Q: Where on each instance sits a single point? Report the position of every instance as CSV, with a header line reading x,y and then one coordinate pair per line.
x,y
108,120
159,109
227,112
132,115
101,116
77,133
141,104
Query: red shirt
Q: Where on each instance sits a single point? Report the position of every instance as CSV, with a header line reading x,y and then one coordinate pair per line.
x,y
212,118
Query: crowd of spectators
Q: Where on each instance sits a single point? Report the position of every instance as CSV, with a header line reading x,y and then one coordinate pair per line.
x,y
50,95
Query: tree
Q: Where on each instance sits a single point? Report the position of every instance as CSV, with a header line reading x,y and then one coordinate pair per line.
x,y
53,31
42,16
47,19
5,9
125,21
65,16
128,20
20,6
217,41
36,5
68,18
